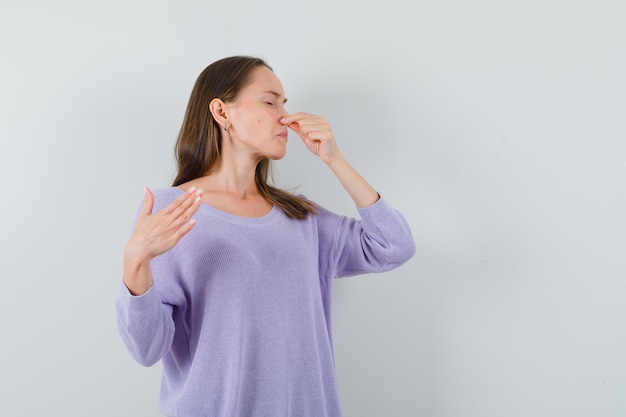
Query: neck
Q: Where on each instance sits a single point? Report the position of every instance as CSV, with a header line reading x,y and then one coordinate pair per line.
x,y
234,176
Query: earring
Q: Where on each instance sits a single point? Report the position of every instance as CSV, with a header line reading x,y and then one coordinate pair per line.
x,y
226,127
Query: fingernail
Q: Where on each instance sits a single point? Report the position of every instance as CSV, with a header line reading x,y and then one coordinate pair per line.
x,y
282,120
199,192
191,190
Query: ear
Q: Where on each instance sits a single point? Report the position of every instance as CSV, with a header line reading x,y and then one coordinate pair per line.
x,y
218,110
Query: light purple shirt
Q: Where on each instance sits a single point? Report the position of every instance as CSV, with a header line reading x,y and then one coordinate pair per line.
x,y
239,313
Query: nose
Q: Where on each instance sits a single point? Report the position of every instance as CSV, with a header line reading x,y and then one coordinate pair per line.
x,y
282,112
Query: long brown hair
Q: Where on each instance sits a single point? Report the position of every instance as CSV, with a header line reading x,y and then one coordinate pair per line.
x,y
199,142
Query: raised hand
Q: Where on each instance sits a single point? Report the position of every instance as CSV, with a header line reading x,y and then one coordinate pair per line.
x,y
155,234
316,134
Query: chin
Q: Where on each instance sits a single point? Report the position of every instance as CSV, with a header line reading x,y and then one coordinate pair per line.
x,y
278,153
276,157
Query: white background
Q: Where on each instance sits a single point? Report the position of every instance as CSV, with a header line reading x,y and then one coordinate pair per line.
x,y
497,127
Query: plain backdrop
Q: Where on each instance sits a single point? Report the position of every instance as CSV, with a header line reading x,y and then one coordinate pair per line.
x,y
497,128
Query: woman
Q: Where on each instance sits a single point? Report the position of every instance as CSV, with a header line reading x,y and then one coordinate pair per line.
x,y
236,300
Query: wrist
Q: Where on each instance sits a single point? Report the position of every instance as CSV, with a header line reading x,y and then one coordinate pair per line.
x,y
137,274
337,162
135,260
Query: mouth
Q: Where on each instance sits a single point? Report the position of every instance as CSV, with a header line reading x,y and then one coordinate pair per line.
x,y
283,135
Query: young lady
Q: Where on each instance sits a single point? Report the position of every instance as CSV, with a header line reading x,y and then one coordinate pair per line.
x,y
227,279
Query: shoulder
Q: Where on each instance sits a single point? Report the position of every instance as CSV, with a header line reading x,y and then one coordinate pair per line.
x,y
324,218
164,196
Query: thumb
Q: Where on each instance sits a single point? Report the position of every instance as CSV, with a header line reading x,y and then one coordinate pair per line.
x,y
148,204
295,127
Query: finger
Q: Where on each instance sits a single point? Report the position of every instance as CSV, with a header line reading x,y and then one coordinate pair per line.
x,y
185,216
187,196
318,135
191,204
305,129
296,129
183,212
314,125
304,119
296,117
148,203
183,230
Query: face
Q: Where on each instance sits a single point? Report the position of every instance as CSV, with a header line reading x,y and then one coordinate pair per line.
x,y
255,115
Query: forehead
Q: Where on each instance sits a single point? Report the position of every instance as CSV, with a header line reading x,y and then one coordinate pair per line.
x,y
262,79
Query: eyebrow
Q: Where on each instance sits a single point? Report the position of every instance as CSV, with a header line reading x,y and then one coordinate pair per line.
x,y
277,95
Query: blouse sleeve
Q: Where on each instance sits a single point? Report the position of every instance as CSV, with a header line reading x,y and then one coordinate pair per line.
x,y
379,242
145,325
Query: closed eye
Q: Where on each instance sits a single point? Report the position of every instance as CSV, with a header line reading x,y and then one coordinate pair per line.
x,y
269,102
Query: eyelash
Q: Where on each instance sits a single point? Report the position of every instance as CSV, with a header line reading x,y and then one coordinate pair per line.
x,y
269,102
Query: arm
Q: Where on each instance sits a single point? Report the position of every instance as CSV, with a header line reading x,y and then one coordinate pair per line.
x,y
144,322
381,241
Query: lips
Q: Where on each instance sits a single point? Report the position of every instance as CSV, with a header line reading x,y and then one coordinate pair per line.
x,y
283,135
